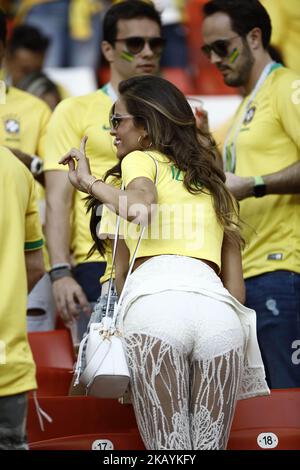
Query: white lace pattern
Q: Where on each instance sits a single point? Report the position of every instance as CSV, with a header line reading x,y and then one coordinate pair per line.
x,y
178,409
192,352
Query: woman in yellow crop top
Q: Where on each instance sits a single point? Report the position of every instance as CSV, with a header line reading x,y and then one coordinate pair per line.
x,y
191,345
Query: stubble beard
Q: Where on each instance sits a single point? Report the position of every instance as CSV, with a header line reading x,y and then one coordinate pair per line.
x,y
243,73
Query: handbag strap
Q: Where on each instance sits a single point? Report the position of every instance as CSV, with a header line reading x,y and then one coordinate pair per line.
x,y
132,259
113,264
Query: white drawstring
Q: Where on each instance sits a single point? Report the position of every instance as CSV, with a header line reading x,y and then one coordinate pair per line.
x,y
40,412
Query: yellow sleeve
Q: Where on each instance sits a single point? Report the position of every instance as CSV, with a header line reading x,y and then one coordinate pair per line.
x,y
43,122
137,164
220,133
63,133
33,230
286,103
80,16
278,21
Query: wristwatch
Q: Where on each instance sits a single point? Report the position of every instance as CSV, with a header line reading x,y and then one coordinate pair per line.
x,y
259,188
36,166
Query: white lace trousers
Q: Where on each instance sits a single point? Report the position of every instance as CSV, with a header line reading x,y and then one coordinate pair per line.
x,y
186,353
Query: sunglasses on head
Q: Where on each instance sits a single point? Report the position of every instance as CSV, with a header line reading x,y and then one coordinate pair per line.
x,y
116,119
136,44
219,47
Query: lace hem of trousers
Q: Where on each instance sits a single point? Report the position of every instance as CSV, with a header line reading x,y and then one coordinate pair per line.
x,y
182,404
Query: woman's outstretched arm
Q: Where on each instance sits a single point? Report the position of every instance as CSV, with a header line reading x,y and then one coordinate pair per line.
x,y
135,204
232,272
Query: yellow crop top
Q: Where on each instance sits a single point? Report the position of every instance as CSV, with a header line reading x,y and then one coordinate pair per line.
x,y
184,224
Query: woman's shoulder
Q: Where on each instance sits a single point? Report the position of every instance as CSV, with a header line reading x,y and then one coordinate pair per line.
x,y
158,156
147,155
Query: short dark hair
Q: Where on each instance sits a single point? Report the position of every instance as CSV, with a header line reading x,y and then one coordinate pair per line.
x,y
3,27
37,84
28,37
244,15
127,10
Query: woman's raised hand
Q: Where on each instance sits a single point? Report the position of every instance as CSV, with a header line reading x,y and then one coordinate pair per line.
x,y
79,173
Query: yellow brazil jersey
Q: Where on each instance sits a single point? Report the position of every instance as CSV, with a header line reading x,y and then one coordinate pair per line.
x,y
72,119
19,229
108,259
285,18
24,120
106,231
268,141
23,124
183,223
219,133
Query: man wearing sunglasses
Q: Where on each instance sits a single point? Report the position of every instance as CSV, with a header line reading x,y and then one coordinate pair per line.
x,y
132,45
262,160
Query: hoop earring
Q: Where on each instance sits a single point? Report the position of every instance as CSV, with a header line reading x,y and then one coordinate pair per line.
x,y
140,142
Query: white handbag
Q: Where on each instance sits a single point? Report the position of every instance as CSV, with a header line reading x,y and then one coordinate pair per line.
x,y
106,374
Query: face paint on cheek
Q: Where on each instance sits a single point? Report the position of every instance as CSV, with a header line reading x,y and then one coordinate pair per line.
x,y
127,56
233,56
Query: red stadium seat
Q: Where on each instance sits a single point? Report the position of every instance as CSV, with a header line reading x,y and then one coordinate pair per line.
x,y
106,441
52,348
103,74
53,381
79,415
78,421
267,422
59,323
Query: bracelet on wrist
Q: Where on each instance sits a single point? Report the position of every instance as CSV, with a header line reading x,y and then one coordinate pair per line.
x,y
59,266
90,186
58,273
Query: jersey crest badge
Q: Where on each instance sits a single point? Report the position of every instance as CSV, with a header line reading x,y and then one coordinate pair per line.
x,y
12,126
249,115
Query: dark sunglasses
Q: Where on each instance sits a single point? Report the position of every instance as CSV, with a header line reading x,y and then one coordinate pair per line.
x,y
115,120
219,47
136,44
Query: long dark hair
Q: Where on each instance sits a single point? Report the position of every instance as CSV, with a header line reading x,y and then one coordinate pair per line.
x,y
168,118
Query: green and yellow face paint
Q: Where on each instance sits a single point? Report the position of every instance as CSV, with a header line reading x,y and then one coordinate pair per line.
x,y
234,56
125,55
